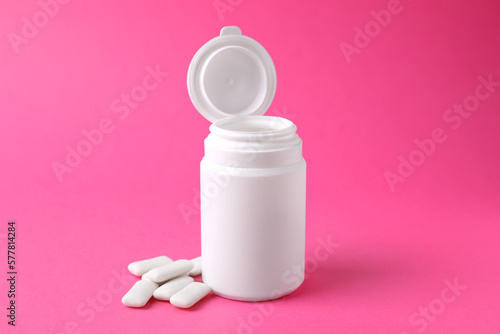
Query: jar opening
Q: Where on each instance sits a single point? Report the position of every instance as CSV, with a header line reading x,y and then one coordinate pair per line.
x,y
253,126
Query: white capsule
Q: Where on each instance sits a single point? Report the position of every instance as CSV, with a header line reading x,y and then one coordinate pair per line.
x,y
147,278
173,286
190,295
139,294
197,267
169,271
139,268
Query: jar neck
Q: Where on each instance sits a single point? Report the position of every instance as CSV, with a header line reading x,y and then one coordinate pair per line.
x,y
253,142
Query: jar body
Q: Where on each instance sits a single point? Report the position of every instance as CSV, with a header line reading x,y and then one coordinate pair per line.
x,y
253,215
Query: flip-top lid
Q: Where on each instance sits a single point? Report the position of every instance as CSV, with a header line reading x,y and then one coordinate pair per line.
x,y
231,75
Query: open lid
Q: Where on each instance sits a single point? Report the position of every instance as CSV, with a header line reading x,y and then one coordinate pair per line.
x,y
231,75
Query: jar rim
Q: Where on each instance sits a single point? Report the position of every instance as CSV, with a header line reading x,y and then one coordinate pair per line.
x,y
253,127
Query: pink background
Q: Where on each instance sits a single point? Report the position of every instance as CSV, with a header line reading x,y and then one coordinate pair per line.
x,y
395,248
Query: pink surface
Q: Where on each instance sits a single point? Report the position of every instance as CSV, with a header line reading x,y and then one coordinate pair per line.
x,y
400,235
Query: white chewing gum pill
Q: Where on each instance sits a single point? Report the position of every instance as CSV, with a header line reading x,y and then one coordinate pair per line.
x,y
147,278
170,270
173,286
190,295
197,267
139,294
139,268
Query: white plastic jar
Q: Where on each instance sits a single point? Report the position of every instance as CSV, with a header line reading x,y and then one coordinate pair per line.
x,y
253,175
